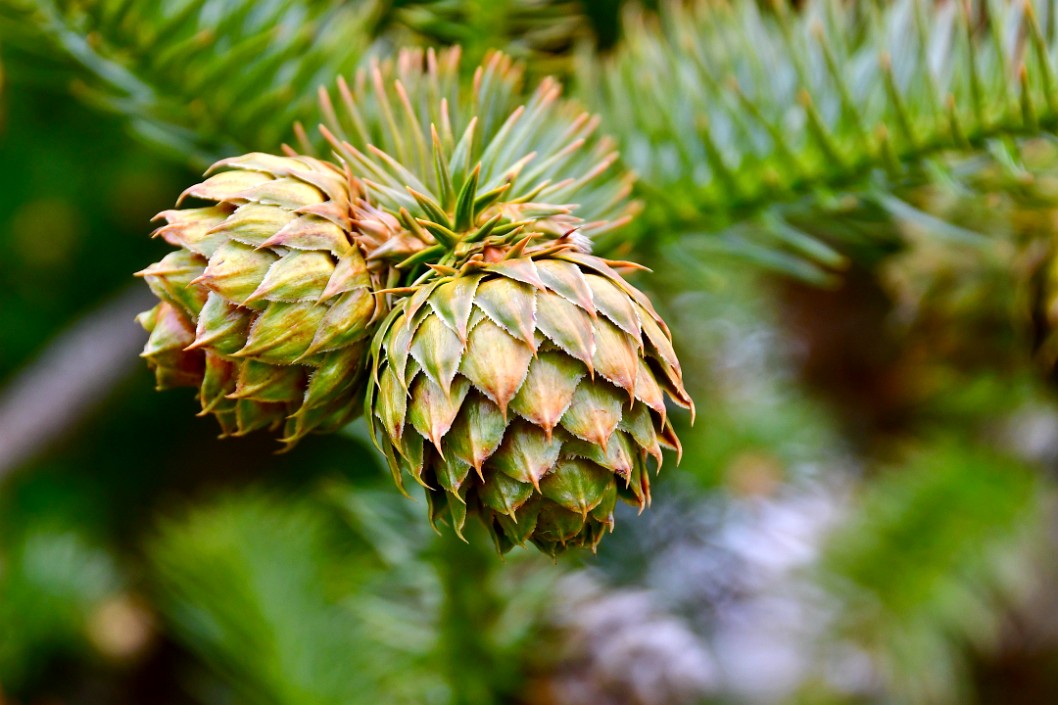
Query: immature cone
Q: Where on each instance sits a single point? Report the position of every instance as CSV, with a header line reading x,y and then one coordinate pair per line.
x,y
529,391
268,304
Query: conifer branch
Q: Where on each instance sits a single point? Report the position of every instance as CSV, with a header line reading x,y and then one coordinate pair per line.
x,y
754,116
200,79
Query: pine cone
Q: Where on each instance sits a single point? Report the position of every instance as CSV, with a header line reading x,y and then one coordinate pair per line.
x,y
529,391
268,305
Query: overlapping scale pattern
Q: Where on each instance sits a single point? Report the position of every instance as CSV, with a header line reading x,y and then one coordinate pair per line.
x,y
530,392
268,303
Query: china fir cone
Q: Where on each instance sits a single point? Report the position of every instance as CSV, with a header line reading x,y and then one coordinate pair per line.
x,y
267,306
527,387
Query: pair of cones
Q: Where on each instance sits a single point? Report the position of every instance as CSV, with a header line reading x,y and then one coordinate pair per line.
x,y
512,373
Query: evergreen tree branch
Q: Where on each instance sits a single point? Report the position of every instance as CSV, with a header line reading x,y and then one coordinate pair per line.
x,y
743,124
201,79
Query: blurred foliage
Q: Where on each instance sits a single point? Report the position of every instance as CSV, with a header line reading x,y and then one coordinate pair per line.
x,y
53,582
200,79
383,610
287,580
935,551
544,32
873,460
55,213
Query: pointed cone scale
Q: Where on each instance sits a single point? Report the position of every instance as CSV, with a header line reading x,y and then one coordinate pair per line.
x,y
548,389
603,511
218,381
639,423
397,347
172,331
328,418
349,273
412,456
177,370
477,432
591,263
438,349
253,224
327,178
164,351
557,527
451,474
567,326
618,455
346,321
331,211
269,383
222,326
259,161
149,319
647,389
615,305
417,301
396,469
338,371
577,485
310,233
193,229
505,495
235,271
392,404
283,332
668,439
659,340
616,357
436,508
511,533
594,412
453,301
228,421
527,454
457,510
432,411
225,186
170,280
297,276
282,192
670,382
566,280
495,362
638,488
511,305
522,270
252,416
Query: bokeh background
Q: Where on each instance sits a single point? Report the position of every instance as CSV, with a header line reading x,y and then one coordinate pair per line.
x,y
865,510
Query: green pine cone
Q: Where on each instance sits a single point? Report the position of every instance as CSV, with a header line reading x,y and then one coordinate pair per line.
x,y
528,391
268,304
